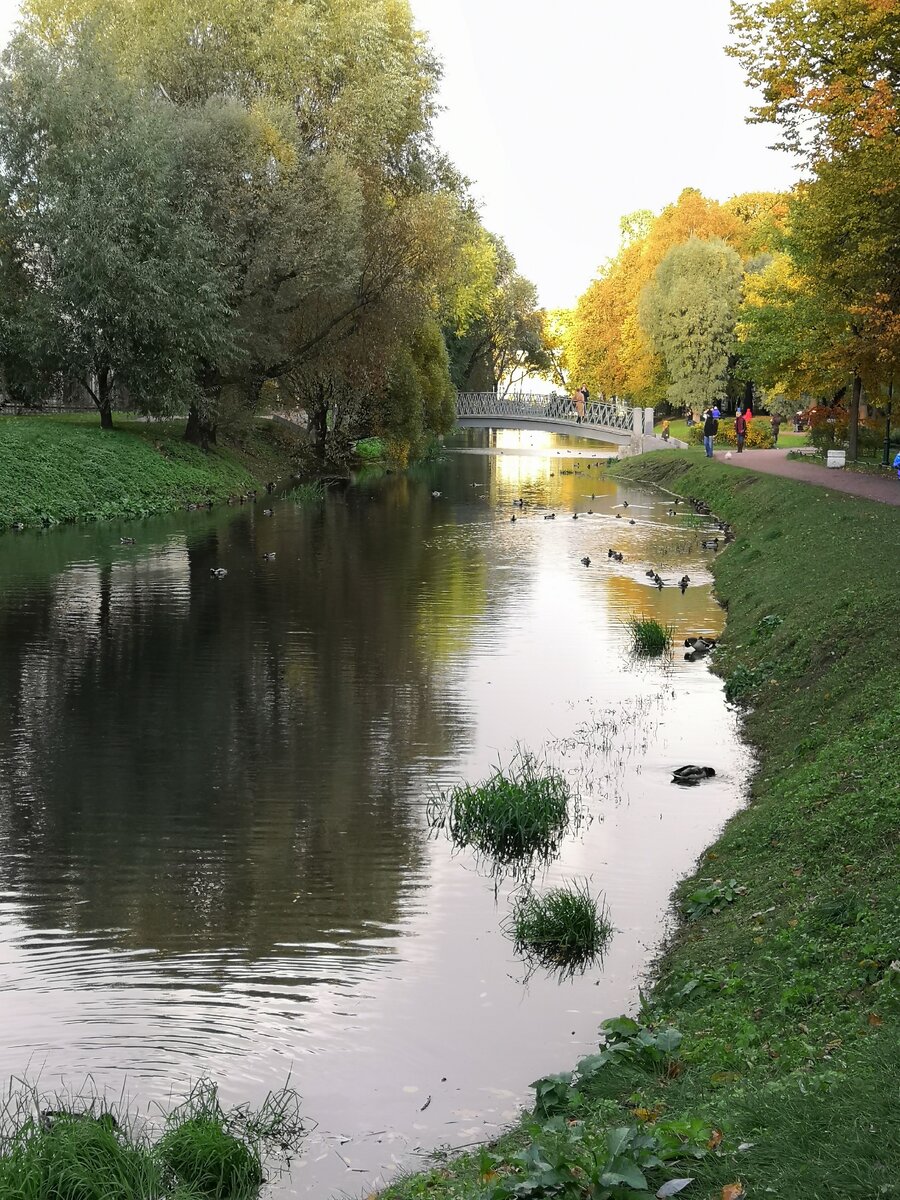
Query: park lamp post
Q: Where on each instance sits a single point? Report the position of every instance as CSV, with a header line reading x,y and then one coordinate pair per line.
x,y
886,457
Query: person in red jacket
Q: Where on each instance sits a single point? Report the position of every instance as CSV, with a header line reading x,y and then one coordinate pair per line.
x,y
740,428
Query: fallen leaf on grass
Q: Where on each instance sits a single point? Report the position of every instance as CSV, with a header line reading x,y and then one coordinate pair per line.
x,y
673,1187
733,1191
874,1019
714,1139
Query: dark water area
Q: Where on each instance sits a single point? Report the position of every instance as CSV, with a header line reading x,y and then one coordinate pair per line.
x,y
215,858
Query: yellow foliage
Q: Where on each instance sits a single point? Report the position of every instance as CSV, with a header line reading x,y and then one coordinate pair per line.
x,y
610,351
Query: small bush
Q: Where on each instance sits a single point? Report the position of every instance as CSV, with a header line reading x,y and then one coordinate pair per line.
x,y
758,436
649,638
512,816
566,927
711,898
371,449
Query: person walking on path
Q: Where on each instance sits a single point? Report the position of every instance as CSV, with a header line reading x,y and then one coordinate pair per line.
x,y
776,425
710,429
665,430
740,429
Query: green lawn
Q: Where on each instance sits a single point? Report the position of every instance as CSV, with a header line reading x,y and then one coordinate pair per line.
x,y
66,468
783,975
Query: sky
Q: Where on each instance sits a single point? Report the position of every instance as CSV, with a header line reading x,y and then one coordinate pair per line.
x,y
566,114
569,113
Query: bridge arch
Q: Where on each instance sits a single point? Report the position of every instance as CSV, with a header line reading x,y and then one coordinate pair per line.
x,y
614,421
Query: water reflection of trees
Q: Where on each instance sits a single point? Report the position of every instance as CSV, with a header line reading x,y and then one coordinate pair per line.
x,y
192,763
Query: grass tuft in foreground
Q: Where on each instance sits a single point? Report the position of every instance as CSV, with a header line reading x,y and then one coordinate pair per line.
x,y
514,816
565,928
649,638
84,1149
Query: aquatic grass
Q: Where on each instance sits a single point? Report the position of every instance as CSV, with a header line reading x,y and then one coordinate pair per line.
x,y
76,1156
203,1157
566,927
516,814
650,638
82,1148
311,492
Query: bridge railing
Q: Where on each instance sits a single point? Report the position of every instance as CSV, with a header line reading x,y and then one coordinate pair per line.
x,y
535,406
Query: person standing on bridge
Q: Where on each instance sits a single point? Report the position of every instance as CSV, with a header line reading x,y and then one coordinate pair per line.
x,y
578,401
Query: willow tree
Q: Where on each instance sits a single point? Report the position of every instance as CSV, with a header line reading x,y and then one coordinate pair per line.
x,y
689,311
310,127
102,229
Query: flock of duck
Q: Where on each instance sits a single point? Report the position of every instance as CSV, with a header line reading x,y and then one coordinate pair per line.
x,y
700,508
238,498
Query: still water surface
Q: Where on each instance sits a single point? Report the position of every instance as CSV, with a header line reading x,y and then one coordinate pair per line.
x,y
214,852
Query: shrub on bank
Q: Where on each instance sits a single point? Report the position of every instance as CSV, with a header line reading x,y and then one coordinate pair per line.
x,y
758,437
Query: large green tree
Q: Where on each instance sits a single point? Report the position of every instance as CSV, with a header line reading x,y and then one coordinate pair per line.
x,y
689,310
117,286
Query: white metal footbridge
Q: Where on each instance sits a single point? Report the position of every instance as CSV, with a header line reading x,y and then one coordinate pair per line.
x,y
612,421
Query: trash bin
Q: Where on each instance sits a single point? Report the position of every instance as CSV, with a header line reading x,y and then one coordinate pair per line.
x,y
836,458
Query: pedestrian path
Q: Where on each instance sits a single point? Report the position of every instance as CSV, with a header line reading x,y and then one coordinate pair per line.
x,y
884,488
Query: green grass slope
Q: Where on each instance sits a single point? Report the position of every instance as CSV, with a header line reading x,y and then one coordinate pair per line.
x,y
56,469
783,976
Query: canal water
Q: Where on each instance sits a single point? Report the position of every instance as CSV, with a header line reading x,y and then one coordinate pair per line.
x,y
215,857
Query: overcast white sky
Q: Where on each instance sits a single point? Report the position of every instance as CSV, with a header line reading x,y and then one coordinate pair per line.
x,y
568,113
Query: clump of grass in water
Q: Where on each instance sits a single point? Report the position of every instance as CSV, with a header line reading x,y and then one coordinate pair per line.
x,y
649,638
81,1148
566,928
75,1155
515,815
312,492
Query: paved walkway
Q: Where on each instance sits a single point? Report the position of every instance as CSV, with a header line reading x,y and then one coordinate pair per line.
x,y
885,488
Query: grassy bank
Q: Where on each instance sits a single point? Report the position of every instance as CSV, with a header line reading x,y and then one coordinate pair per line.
x,y
55,469
766,1058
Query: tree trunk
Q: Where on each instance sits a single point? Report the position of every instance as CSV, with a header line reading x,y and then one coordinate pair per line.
x,y
853,430
192,429
318,423
103,398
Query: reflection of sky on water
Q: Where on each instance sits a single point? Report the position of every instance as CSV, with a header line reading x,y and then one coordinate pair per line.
x,y
216,858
